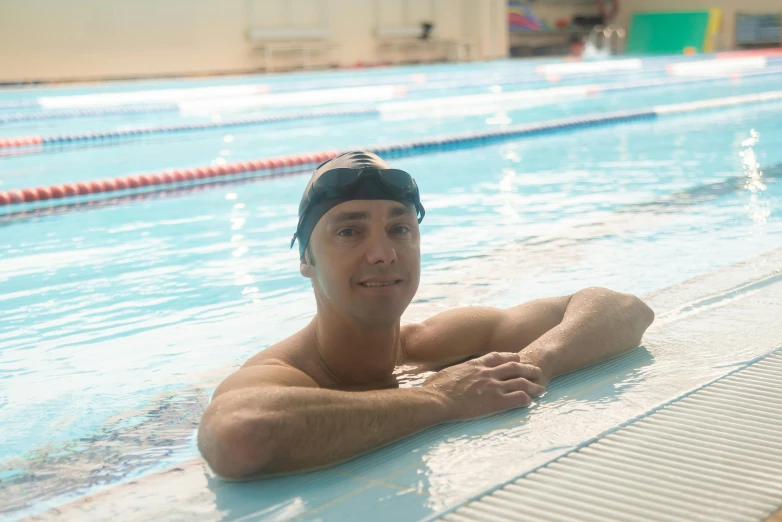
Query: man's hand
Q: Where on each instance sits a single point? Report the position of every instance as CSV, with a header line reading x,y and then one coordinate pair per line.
x,y
490,384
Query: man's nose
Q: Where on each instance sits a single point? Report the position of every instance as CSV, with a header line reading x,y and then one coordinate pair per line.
x,y
380,249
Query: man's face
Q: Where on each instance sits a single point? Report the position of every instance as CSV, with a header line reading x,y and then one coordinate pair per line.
x,y
367,257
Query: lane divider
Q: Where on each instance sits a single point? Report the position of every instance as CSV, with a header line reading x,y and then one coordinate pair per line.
x,y
19,104
68,139
297,162
491,73
629,64
412,81
716,103
417,108
283,165
130,197
176,95
419,83
774,51
80,113
499,82
481,103
718,67
270,168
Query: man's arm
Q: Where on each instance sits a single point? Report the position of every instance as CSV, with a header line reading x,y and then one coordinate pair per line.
x,y
558,334
597,324
272,418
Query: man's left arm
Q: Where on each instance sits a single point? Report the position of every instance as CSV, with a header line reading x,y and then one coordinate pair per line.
x,y
597,324
558,334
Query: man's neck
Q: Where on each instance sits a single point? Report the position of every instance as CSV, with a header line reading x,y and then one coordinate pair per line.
x,y
353,353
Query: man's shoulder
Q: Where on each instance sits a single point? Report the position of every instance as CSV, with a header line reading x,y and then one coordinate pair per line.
x,y
426,344
288,352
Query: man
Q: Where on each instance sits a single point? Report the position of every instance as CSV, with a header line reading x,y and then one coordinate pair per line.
x,y
330,391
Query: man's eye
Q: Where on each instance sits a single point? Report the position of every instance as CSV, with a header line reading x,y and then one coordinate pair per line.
x,y
347,232
401,229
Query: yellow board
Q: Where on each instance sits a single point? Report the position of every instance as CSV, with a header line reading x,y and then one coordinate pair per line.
x,y
713,29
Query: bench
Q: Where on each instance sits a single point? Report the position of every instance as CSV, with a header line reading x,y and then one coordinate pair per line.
x,y
312,45
403,44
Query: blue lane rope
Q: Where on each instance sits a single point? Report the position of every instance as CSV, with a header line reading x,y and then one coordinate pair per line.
x,y
80,113
147,131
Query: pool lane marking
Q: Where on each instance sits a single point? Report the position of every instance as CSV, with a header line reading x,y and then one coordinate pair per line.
x,y
67,139
416,81
91,137
711,67
718,102
23,145
80,113
629,64
109,99
500,80
281,165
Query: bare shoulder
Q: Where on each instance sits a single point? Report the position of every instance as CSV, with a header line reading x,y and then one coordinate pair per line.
x,y
288,352
282,364
449,337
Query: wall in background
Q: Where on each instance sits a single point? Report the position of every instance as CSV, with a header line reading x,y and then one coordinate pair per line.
x,y
80,39
553,11
726,39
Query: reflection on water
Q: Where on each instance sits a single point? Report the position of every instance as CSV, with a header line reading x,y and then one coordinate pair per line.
x,y
758,209
162,433
160,296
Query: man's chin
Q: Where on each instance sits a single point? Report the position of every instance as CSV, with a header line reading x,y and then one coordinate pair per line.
x,y
380,316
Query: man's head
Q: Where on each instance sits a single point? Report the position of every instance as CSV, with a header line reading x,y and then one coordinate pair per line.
x,y
358,237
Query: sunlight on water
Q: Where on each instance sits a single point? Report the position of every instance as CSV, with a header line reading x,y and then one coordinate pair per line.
x,y
118,322
758,208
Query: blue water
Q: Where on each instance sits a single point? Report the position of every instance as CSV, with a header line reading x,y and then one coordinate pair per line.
x,y
112,316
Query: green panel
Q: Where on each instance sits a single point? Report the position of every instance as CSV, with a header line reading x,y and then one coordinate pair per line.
x,y
667,32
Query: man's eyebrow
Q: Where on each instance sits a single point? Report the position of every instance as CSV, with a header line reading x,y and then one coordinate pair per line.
x,y
350,216
400,210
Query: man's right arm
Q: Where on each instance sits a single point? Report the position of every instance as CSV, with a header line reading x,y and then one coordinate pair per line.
x,y
272,427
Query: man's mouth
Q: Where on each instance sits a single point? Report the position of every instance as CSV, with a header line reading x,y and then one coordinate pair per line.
x,y
374,284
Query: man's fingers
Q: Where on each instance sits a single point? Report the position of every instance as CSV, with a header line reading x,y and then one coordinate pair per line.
x,y
493,359
512,370
523,385
517,399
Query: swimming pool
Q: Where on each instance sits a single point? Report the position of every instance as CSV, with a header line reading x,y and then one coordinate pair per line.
x,y
118,321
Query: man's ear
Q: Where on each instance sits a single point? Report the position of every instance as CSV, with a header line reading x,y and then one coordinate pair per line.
x,y
307,262
306,268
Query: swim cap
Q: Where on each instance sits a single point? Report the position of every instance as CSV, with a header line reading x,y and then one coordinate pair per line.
x,y
316,201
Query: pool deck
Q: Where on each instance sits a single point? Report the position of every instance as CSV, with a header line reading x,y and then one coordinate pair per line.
x,y
700,320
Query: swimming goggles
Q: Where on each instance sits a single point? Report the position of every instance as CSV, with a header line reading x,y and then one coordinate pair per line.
x,y
336,186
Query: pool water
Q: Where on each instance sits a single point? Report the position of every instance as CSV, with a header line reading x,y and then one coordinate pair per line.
x,y
117,322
